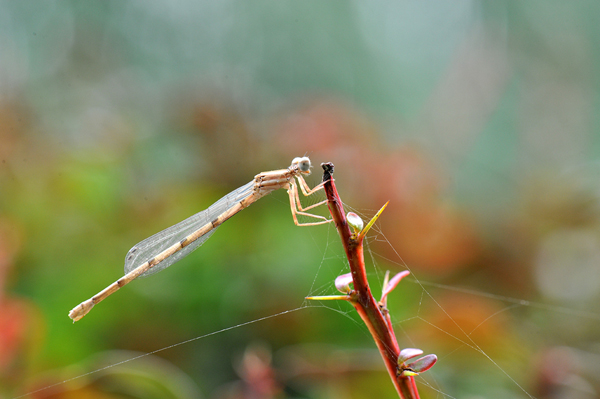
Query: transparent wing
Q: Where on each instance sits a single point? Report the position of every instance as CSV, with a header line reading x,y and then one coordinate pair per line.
x,y
154,245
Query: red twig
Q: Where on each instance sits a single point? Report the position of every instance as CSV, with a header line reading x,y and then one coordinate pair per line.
x,y
362,299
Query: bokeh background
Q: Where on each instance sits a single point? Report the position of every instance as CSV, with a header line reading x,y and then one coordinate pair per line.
x,y
477,120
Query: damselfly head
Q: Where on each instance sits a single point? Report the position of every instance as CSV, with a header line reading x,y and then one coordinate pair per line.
x,y
303,164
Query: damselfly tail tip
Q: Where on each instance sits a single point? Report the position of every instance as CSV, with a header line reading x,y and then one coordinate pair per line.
x,y
81,310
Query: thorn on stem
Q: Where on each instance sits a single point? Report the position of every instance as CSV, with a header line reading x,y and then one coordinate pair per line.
x,y
329,298
364,231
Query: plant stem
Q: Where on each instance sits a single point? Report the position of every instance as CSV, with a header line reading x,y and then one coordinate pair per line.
x,y
362,298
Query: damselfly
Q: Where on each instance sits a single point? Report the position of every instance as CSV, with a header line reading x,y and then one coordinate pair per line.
x,y
161,250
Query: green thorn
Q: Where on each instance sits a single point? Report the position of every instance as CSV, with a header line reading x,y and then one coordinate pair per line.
x,y
408,373
329,298
364,231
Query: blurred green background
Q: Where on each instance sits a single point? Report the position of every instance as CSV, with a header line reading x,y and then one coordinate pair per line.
x,y
477,120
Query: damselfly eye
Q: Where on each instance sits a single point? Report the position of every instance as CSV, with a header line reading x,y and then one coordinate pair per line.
x,y
303,163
